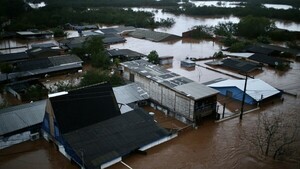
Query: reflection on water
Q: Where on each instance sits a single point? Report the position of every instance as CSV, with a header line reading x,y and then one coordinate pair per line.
x,y
223,4
37,5
278,6
184,23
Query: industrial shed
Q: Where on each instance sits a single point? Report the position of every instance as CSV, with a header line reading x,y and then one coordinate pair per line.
x,y
257,90
21,123
124,54
101,136
45,66
153,36
130,96
178,96
238,65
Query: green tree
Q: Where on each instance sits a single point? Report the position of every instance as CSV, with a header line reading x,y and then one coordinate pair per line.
x,y
98,76
153,57
252,27
202,32
263,39
34,93
94,45
58,32
225,29
100,60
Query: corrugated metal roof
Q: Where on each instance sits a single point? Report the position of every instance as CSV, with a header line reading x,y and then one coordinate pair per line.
x,y
22,116
115,137
167,78
130,93
65,59
195,90
152,35
256,88
242,55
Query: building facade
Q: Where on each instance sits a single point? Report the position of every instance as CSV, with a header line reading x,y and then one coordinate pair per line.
x,y
175,95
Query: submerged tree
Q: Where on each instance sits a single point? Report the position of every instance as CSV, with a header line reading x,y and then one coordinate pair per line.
x,y
274,135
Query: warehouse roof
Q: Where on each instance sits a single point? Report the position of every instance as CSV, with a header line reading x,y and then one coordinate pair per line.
x,y
21,116
85,106
195,90
115,137
167,78
130,93
260,50
13,57
239,65
271,61
256,88
240,55
46,65
152,35
43,45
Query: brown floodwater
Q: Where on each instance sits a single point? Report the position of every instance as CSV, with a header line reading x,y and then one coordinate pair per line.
x,y
211,146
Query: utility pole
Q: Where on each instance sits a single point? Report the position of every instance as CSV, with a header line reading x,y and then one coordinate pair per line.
x,y
82,159
244,95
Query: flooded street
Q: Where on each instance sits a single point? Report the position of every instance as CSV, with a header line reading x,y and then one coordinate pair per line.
x,y
212,145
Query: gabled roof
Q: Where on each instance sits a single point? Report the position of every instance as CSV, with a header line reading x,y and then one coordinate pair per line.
x,y
260,50
83,107
27,65
129,93
124,52
118,136
169,79
43,45
152,35
44,52
239,65
21,116
195,90
271,61
256,88
239,55
13,57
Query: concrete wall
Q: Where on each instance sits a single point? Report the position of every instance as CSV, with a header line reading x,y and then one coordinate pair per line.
x,y
179,104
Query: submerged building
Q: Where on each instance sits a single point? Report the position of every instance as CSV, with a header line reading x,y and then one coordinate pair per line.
x,y
88,128
177,96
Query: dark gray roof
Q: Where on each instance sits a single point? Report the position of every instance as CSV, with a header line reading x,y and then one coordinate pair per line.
x,y
44,71
43,45
240,65
13,57
271,61
281,49
152,35
27,65
117,30
85,106
113,38
22,116
115,137
43,52
46,66
260,50
126,53
64,59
